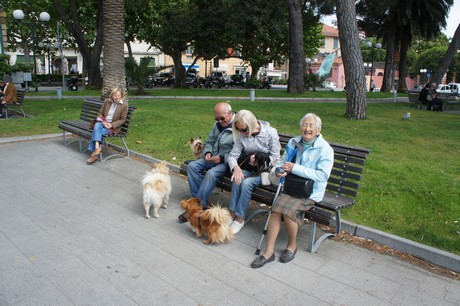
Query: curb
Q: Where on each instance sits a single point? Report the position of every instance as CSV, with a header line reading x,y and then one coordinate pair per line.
x,y
435,256
438,257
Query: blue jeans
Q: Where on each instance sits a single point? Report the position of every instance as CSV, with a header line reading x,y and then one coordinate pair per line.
x,y
202,186
241,194
98,131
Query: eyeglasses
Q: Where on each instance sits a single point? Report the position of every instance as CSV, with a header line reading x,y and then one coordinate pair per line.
x,y
220,119
245,130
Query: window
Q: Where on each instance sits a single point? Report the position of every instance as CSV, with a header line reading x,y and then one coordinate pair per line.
x,y
189,51
151,63
336,43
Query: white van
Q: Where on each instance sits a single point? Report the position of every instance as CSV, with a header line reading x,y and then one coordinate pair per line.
x,y
455,88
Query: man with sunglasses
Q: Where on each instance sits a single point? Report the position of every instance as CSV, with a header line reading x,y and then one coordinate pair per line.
x,y
215,153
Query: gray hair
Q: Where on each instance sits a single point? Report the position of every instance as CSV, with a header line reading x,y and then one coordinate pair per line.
x,y
311,115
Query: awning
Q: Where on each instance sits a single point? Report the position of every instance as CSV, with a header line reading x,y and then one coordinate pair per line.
x,y
196,66
276,74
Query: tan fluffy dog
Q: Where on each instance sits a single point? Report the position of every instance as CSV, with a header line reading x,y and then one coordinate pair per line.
x,y
197,146
213,222
157,188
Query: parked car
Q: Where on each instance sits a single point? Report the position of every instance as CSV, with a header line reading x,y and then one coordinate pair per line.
x,y
160,79
443,88
455,88
190,79
237,79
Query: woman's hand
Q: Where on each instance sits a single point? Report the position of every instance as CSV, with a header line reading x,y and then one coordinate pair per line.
x,y
107,125
237,176
287,166
252,160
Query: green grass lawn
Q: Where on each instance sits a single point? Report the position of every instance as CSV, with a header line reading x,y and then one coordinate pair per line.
x,y
411,182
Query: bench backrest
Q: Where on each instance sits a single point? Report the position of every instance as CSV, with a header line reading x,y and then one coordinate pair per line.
x,y
414,95
91,108
346,173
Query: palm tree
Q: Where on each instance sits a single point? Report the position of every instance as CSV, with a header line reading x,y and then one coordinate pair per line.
x,y
113,52
450,54
424,18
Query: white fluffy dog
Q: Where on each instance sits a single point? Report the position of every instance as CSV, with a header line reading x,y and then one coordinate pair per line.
x,y
157,187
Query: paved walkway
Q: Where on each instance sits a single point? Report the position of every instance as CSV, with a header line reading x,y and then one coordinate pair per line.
x,y
72,234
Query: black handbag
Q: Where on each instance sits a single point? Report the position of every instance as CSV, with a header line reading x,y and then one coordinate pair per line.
x,y
297,186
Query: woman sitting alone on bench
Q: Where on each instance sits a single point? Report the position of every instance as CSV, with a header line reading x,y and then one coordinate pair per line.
x,y
111,116
315,162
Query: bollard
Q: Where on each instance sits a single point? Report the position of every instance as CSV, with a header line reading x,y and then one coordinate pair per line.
x,y
252,94
395,95
59,93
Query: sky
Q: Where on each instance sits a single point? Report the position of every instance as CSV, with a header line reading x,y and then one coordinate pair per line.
x,y
452,20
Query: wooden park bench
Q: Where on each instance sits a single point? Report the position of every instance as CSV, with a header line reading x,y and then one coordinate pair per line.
x,y
341,190
449,99
81,128
16,108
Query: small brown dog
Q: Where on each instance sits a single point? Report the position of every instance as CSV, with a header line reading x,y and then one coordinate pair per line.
x,y
197,146
213,222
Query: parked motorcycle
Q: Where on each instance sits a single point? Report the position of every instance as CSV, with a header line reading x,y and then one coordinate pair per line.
x,y
266,84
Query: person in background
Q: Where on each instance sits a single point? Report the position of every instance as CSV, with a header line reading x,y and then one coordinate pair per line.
x,y
111,116
315,162
9,94
214,160
257,143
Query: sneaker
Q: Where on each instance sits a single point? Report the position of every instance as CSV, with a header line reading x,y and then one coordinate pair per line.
x,y
236,227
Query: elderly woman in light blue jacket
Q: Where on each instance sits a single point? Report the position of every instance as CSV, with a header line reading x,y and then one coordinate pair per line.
x,y
315,162
258,144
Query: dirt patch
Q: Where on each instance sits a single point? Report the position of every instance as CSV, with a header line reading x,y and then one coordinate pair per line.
x,y
386,250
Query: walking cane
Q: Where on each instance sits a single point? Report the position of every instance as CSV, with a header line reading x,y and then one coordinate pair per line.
x,y
280,186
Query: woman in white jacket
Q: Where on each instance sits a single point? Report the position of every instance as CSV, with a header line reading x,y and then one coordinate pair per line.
x,y
256,145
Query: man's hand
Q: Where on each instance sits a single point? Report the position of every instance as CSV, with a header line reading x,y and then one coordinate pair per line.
x,y
214,159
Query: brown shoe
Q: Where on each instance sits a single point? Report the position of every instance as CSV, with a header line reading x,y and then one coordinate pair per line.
x,y
97,151
91,160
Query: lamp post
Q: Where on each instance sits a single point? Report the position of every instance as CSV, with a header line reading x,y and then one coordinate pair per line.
x,y
47,47
58,46
378,46
423,72
367,67
45,17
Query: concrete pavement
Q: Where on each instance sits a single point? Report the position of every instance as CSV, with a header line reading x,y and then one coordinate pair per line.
x,y
73,234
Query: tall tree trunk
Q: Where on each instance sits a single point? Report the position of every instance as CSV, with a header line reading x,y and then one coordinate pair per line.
x,y
179,69
389,58
403,48
448,57
114,59
296,45
91,54
352,60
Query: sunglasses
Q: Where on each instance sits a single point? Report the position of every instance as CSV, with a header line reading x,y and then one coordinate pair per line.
x,y
245,130
220,119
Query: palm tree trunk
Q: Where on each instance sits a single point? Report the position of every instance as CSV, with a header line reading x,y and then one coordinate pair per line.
x,y
389,59
114,60
296,45
352,59
448,57
404,47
